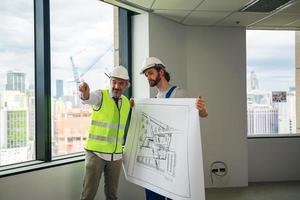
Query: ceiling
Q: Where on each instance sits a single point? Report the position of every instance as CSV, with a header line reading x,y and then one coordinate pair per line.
x,y
222,12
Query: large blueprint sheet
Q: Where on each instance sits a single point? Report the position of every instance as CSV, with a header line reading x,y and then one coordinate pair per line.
x,y
163,148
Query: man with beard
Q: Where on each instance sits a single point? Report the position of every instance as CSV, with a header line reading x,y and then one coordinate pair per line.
x,y
155,71
104,143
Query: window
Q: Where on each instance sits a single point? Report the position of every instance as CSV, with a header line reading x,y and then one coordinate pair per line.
x,y
33,126
17,94
272,64
82,49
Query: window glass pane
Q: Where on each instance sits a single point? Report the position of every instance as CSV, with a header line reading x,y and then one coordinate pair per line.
x,y
271,82
82,48
17,101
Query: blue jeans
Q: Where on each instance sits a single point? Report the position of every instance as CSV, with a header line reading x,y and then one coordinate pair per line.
x,y
154,196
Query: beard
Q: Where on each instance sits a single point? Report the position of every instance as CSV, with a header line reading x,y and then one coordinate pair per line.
x,y
153,83
116,93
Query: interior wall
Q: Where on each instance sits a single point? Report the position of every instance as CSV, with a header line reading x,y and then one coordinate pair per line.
x,y
162,38
167,42
140,50
59,183
53,183
274,159
216,70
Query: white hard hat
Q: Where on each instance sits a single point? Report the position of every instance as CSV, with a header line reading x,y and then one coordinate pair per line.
x,y
151,62
120,72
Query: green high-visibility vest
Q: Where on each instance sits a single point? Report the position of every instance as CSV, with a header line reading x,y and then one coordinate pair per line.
x,y
107,126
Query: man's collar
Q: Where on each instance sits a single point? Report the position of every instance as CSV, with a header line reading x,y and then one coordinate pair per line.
x,y
167,89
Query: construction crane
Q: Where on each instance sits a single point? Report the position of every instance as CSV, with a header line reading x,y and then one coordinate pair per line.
x,y
76,75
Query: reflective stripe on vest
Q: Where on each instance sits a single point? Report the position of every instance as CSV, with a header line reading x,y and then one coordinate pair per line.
x,y
106,139
108,125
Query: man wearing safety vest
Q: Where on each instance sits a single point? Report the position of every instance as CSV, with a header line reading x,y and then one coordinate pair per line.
x,y
155,71
104,142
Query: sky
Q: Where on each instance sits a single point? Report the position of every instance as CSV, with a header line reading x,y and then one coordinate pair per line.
x,y
271,54
82,29
16,37
85,32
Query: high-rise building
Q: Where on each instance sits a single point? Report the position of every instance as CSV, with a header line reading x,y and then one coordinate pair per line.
x,y
70,126
14,127
31,117
254,85
15,81
262,119
297,62
283,116
59,88
291,102
13,119
13,155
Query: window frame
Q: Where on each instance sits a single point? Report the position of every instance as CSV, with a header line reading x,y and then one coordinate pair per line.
x,y
42,66
42,80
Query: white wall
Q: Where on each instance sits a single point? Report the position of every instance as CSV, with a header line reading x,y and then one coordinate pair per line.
x,y
59,183
216,69
140,50
167,42
156,36
274,159
53,183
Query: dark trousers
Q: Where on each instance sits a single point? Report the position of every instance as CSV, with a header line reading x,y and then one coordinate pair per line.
x,y
154,196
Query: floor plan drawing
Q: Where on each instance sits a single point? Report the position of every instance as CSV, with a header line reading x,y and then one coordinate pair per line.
x,y
163,150
154,145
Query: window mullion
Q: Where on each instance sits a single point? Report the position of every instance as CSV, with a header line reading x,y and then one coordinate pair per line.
x,y
42,79
125,42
